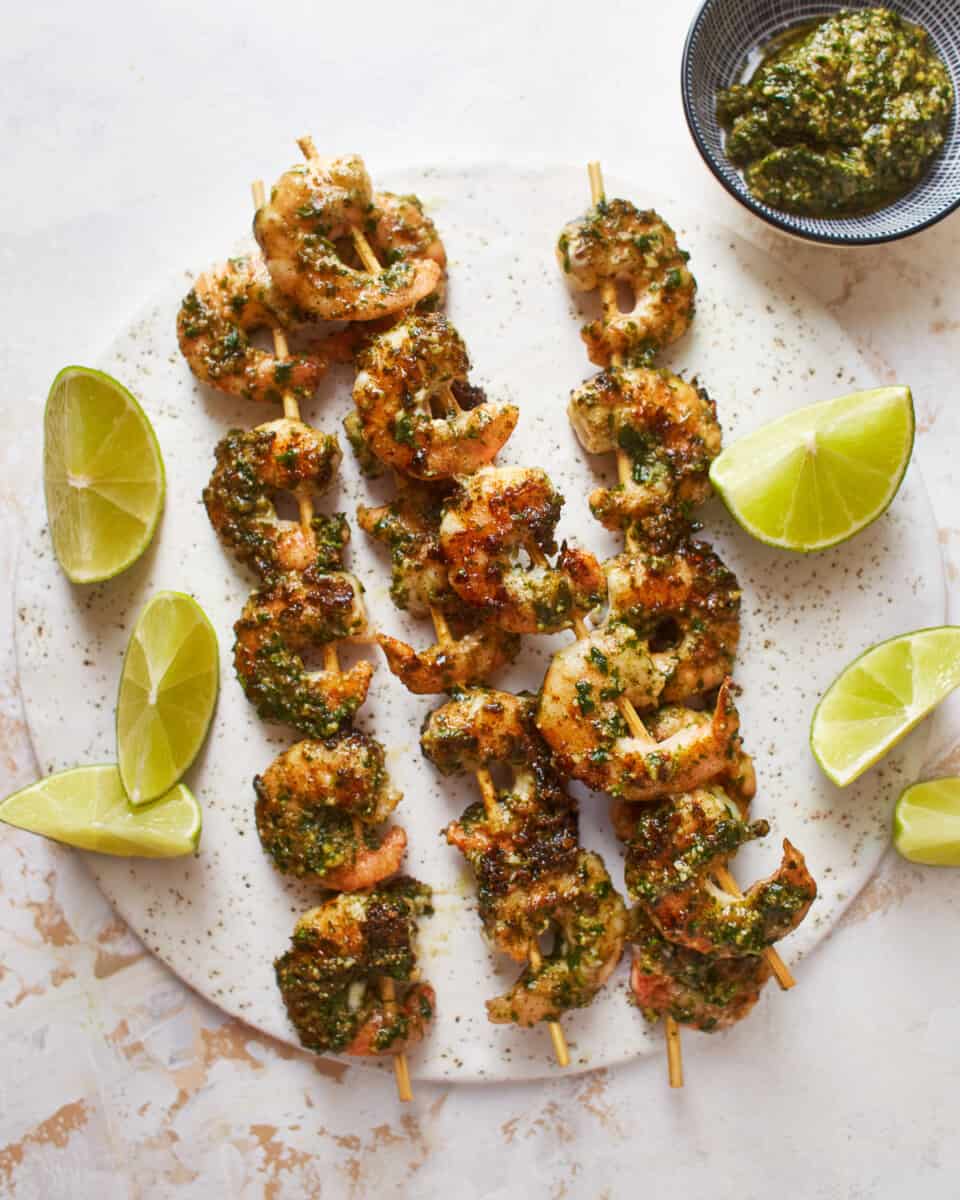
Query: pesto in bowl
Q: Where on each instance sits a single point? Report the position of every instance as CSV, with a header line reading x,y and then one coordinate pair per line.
x,y
842,115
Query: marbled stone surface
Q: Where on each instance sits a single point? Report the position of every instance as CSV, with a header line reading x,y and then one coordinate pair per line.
x,y
127,131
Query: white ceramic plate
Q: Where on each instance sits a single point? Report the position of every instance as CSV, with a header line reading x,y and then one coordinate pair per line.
x,y
762,346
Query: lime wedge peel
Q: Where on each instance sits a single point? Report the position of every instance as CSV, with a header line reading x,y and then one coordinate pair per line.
x,y
103,475
87,807
926,823
168,691
880,697
816,477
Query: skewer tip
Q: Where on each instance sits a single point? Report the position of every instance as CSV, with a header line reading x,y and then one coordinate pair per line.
x,y
307,148
674,1052
559,1040
596,181
401,1072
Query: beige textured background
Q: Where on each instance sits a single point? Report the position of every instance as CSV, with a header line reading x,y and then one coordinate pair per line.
x,y
124,133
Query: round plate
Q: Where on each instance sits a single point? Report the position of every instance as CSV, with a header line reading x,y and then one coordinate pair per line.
x,y
762,346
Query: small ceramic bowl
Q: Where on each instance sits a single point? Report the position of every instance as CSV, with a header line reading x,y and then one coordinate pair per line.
x,y
725,32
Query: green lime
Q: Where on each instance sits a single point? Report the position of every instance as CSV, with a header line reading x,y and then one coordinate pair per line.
x,y
926,823
168,689
821,474
880,697
102,475
87,807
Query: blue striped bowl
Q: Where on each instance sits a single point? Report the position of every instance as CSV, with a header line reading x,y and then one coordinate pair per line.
x,y
722,35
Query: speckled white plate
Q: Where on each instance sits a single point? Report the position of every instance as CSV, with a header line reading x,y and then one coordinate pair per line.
x,y
762,345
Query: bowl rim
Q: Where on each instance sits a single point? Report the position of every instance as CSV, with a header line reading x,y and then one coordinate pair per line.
x,y
771,217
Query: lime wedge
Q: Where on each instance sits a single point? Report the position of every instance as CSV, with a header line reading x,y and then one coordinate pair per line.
x,y
821,474
102,475
87,807
880,697
168,689
926,823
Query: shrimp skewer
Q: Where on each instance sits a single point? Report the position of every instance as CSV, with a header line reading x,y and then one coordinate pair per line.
x,y
291,410
483,777
489,793
726,881
608,292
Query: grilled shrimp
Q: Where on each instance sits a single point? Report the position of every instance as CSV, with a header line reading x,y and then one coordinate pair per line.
x,y
577,711
223,307
669,432
400,373
401,231
591,740
686,603
317,804
464,661
328,977
410,527
672,843
480,727
493,515
587,914
304,231
530,836
695,989
281,623
522,845
252,467
529,830
699,915
616,242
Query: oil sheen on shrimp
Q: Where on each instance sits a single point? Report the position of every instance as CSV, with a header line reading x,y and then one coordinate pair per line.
x,y
532,876
409,526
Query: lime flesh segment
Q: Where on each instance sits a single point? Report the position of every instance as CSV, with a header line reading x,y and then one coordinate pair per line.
x,y
880,697
87,807
168,689
926,823
102,474
821,474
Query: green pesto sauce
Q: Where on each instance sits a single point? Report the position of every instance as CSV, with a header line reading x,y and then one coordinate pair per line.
x,y
842,116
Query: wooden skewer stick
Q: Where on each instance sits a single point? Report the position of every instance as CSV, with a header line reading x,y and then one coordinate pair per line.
x,y
331,661
401,1069
671,1031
